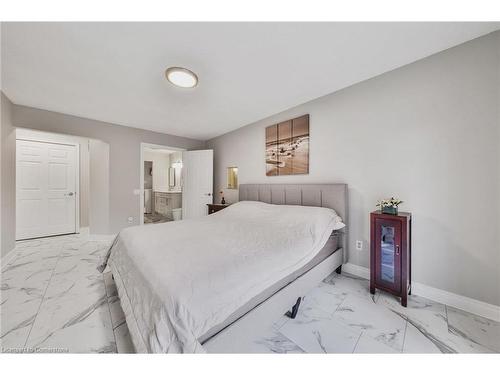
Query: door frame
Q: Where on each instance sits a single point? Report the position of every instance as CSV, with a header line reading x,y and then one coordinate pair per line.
x,y
140,191
77,174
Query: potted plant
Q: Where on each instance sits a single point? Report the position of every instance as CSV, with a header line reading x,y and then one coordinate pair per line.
x,y
389,206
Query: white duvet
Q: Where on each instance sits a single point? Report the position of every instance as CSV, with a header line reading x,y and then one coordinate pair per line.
x,y
177,280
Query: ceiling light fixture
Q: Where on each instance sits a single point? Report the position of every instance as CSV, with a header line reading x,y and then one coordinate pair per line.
x,y
181,77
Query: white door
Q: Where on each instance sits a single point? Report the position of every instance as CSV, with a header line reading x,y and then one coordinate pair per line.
x,y
46,181
197,182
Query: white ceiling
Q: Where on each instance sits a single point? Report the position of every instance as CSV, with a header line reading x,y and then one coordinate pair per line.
x,y
115,71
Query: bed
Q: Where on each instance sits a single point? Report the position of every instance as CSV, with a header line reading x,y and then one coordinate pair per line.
x,y
185,285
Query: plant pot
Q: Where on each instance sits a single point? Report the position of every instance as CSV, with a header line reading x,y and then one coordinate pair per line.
x,y
390,210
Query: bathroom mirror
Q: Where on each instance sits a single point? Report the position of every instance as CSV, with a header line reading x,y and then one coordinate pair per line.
x,y
232,177
171,177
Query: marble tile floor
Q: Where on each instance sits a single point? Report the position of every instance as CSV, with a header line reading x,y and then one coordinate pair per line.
x,y
54,300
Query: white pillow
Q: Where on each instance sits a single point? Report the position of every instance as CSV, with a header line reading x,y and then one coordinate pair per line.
x,y
338,223
245,205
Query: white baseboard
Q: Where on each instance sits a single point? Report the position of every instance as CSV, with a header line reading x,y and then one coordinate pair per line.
x,y
84,231
7,258
471,305
356,270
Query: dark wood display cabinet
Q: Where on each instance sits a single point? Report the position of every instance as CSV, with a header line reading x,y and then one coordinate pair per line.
x,y
390,254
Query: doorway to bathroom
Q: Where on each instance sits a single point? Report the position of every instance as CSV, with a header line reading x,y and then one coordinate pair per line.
x,y
161,183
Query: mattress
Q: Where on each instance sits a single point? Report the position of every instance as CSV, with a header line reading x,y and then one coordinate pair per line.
x,y
185,280
330,247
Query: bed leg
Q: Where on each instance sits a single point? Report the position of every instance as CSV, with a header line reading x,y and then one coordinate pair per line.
x,y
339,269
295,309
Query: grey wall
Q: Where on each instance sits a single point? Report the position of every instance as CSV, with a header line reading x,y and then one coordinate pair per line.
x,y
427,133
8,177
124,154
99,187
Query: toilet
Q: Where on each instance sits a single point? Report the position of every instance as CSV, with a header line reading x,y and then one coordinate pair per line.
x,y
177,214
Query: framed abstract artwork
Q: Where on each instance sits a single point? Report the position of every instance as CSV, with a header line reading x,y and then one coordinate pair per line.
x,y
287,147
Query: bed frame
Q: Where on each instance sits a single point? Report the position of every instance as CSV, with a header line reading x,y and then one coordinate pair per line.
x,y
288,298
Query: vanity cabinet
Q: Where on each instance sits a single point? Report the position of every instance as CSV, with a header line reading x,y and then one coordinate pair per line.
x,y
165,202
161,203
390,254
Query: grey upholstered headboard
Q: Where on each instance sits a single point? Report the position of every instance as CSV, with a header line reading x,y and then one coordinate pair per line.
x,y
319,195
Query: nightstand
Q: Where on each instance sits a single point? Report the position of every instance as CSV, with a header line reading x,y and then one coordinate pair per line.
x,y
215,207
390,254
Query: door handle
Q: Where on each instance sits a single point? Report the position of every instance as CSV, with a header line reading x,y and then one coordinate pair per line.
x,y
208,194
70,194
397,249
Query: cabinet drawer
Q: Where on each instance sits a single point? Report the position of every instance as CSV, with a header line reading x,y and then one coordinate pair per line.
x,y
212,208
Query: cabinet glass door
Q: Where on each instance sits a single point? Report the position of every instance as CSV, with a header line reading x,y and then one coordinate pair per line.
x,y
388,252
388,258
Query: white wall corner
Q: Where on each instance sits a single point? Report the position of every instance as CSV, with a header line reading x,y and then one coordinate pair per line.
x,y
84,231
470,305
7,258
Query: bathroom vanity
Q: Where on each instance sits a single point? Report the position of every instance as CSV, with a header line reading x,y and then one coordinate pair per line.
x,y
166,201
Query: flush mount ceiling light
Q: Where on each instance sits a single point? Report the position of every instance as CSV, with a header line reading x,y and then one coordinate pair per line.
x,y
181,77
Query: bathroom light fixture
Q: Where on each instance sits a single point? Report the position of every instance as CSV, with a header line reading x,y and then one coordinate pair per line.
x,y
181,77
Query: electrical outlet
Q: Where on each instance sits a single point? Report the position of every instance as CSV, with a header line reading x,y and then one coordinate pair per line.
x,y
359,245
130,219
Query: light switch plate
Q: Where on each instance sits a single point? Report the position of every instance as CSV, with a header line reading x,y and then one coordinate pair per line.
x,y
359,245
